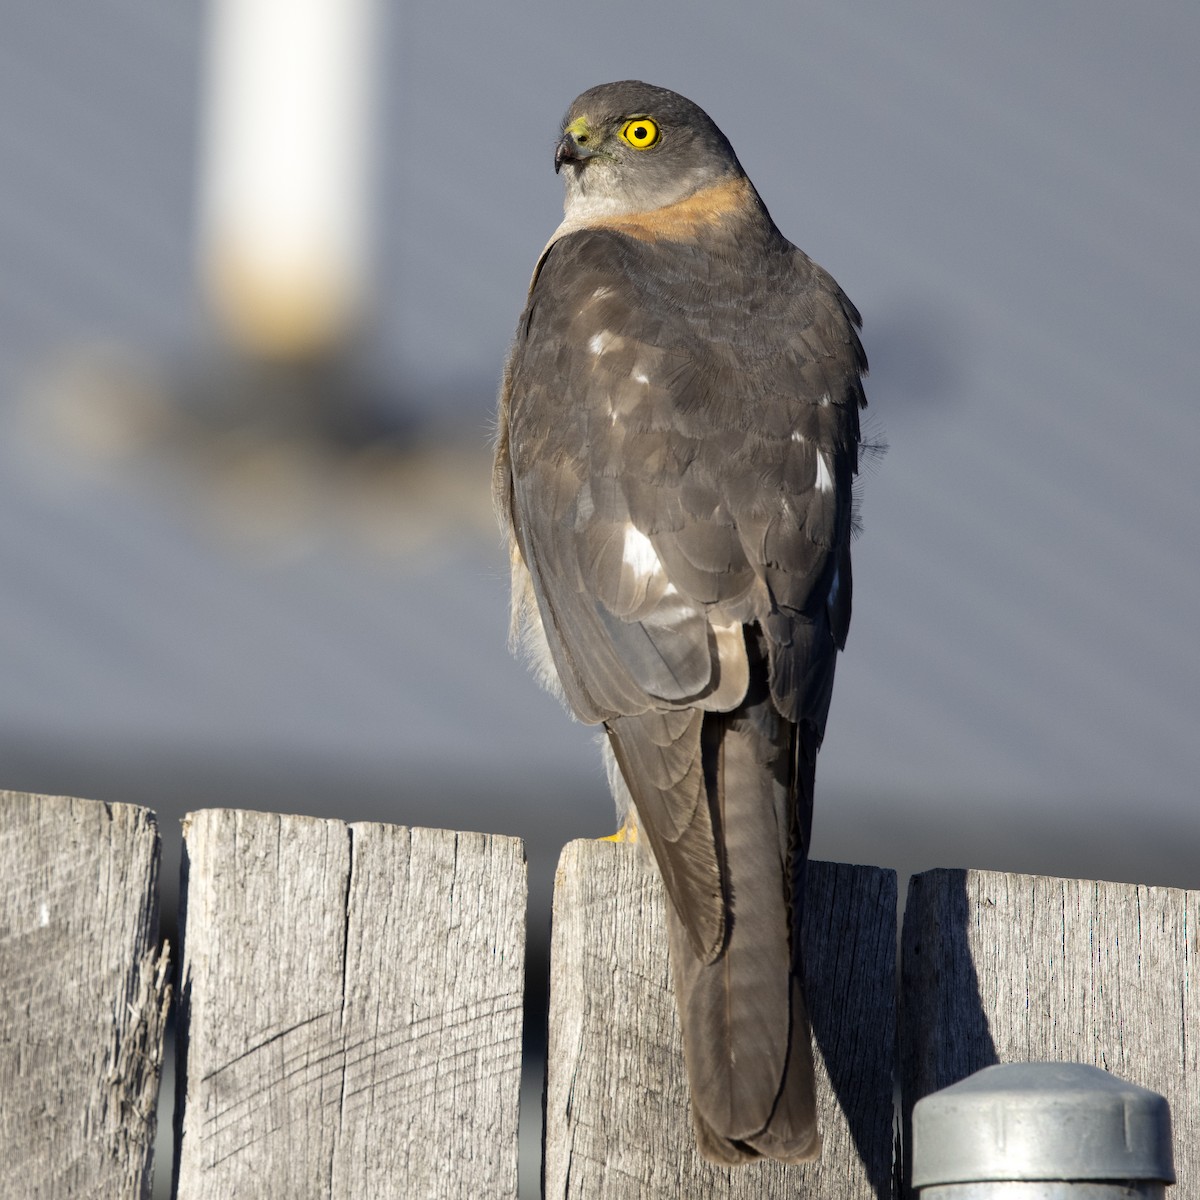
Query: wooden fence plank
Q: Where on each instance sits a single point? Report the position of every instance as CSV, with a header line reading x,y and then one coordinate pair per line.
x,y
83,997
617,1119
1010,968
351,1008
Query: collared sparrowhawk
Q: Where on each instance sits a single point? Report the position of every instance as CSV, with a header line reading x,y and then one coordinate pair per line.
x,y
678,439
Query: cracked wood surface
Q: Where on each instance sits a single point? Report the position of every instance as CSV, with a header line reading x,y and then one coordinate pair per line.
x,y
83,998
617,1118
351,1009
1014,968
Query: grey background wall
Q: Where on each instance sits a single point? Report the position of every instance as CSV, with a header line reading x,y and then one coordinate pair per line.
x,y
1007,192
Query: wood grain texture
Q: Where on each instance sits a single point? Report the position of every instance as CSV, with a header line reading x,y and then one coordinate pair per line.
x,y
1014,968
617,1119
83,998
351,1009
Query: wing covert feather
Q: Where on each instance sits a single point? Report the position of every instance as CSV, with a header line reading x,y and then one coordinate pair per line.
x,y
683,439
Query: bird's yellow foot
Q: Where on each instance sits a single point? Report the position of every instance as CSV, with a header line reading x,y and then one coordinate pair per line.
x,y
627,833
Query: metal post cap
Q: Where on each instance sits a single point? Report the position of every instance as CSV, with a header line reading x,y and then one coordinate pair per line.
x,y
1041,1121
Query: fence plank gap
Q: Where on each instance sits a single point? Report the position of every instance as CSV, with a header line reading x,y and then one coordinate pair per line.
x,y
350,1009
999,967
617,1117
83,997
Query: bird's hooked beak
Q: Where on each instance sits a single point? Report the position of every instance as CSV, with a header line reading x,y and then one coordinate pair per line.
x,y
577,144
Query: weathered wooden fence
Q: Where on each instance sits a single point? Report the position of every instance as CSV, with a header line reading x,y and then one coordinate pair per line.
x,y
83,997
350,1010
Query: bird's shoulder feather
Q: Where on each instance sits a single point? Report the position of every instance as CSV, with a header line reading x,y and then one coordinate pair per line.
x,y
681,421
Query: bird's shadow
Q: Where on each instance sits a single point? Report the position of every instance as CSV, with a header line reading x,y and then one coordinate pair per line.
x,y
883,1033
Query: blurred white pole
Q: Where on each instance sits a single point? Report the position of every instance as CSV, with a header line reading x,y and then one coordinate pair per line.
x,y
284,203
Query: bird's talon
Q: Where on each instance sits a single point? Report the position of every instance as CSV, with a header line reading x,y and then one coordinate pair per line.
x,y
627,833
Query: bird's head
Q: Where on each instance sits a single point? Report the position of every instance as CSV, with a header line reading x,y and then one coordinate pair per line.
x,y
630,147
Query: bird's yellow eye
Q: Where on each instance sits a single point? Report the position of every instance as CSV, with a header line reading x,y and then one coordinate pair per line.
x,y
641,133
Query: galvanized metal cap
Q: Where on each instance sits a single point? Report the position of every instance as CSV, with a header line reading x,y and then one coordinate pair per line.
x,y
1048,1121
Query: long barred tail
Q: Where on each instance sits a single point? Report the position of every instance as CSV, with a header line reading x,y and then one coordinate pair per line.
x,y
725,801
745,1023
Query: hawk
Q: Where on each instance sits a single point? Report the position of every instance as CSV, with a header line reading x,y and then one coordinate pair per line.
x,y
678,438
